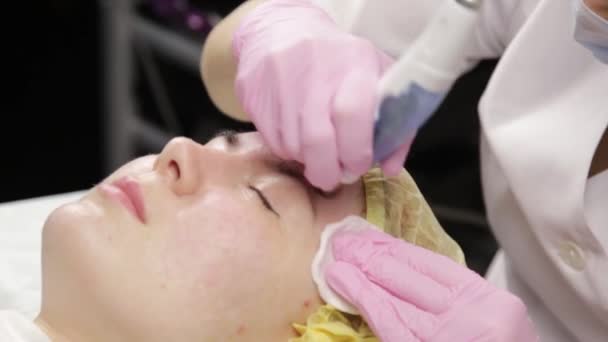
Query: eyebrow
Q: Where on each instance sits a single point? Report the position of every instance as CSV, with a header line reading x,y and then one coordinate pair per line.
x,y
295,171
289,168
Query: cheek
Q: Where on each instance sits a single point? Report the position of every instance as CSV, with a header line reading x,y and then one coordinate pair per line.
x,y
215,245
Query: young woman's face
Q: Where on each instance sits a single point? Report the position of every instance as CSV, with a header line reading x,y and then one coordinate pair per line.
x,y
199,243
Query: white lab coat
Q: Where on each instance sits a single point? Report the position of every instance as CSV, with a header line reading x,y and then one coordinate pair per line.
x,y
542,115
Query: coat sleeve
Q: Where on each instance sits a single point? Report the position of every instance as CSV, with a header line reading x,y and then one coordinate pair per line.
x,y
393,25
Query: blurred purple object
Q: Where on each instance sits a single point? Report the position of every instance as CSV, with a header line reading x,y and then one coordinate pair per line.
x,y
183,14
197,21
168,7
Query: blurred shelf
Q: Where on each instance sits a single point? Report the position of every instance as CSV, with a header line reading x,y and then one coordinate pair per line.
x,y
129,36
184,50
149,136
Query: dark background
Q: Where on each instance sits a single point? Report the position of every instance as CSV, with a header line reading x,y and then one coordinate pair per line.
x,y
51,131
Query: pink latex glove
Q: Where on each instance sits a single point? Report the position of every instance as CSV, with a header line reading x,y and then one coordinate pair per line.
x,y
407,293
310,89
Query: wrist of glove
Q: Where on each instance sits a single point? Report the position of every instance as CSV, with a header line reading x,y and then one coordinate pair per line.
x,y
407,293
263,27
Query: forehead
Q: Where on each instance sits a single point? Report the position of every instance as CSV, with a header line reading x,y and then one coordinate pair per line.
x,y
250,147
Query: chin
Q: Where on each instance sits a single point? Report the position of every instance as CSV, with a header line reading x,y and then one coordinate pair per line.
x,y
67,229
71,214
71,247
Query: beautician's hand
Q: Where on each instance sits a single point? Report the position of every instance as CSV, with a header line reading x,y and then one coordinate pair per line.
x,y
310,89
598,6
407,293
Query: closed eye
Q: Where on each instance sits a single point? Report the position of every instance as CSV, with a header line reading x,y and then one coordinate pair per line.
x,y
264,200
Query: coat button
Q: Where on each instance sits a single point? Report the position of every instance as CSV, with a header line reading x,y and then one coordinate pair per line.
x,y
572,255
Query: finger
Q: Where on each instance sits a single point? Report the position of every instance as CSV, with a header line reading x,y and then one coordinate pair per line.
x,y
290,80
394,164
261,107
391,319
290,134
350,247
377,261
353,118
370,250
268,126
318,143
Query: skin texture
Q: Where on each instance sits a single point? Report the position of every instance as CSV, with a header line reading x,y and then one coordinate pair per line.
x,y
210,263
598,6
600,158
218,65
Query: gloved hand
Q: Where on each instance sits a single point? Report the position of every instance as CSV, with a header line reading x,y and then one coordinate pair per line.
x,y
310,89
407,293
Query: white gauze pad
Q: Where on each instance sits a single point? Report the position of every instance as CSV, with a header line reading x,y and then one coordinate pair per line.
x,y
325,256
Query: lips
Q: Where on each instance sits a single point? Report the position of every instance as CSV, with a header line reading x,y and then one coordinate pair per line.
x,y
128,193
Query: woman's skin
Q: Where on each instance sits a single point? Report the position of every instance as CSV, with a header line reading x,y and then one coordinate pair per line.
x,y
206,259
218,65
600,158
599,6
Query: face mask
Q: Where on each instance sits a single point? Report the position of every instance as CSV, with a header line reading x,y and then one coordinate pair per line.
x,y
591,31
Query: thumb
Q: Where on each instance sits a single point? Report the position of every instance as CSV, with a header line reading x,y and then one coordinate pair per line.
x,y
388,318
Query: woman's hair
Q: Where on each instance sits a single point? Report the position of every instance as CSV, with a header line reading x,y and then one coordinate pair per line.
x,y
396,206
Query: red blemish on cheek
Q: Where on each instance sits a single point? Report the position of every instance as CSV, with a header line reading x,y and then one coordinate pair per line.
x,y
307,303
241,330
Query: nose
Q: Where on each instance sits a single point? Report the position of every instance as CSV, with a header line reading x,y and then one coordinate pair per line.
x,y
178,163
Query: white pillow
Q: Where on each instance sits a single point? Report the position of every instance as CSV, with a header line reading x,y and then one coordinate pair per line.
x,y
20,241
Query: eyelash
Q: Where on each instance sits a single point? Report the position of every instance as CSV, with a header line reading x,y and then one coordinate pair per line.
x,y
263,199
